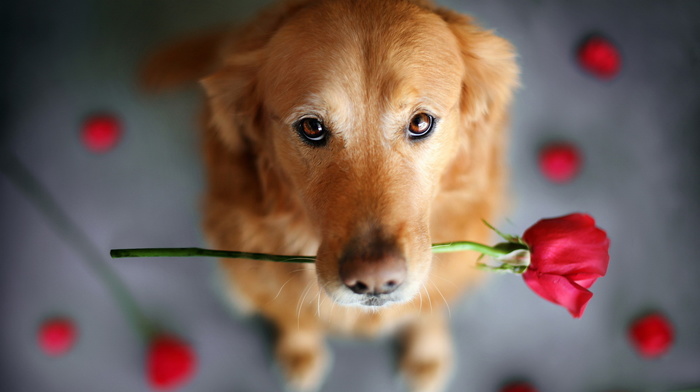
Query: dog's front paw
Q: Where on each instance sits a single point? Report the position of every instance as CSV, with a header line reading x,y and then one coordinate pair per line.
x,y
304,361
426,374
427,359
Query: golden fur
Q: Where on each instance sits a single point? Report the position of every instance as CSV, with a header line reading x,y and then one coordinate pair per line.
x,y
365,67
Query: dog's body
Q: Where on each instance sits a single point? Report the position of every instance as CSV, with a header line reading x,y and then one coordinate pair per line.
x,y
313,145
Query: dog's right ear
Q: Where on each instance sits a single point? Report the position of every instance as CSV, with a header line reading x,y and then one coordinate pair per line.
x,y
237,112
232,89
233,100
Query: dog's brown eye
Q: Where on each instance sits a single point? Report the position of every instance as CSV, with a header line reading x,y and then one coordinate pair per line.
x,y
312,130
420,126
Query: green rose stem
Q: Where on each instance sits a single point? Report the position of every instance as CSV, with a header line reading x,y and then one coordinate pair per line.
x,y
71,233
494,251
195,252
199,252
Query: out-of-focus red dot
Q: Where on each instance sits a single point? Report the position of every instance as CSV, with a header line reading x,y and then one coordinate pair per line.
x,y
101,133
600,57
652,335
57,336
519,387
560,162
170,363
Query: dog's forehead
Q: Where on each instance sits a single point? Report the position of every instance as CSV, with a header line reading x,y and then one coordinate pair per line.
x,y
353,59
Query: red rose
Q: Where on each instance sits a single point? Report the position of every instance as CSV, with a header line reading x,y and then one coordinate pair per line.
x,y
651,335
170,362
568,254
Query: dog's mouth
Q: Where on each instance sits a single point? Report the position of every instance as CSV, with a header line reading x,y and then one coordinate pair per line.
x,y
374,301
343,295
370,301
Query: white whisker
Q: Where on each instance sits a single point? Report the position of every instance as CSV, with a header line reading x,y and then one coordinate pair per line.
x,y
321,292
444,279
300,303
420,308
449,312
330,313
285,283
427,293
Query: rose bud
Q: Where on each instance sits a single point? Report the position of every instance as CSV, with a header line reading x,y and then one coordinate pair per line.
x,y
567,255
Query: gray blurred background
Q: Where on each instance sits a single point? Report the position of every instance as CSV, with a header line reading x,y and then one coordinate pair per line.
x,y
639,134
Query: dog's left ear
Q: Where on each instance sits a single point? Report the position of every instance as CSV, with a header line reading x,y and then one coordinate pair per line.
x,y
491,73
490,77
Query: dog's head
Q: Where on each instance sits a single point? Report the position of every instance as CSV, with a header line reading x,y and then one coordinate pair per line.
x,y
361,111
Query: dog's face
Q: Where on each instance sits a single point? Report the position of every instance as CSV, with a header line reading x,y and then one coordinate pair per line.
x,y
364,121
361,116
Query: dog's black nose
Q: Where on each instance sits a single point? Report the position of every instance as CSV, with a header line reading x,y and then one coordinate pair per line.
x,y
377,275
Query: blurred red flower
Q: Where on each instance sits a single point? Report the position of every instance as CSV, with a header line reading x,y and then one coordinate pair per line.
x,y
568,254
170,363
652,335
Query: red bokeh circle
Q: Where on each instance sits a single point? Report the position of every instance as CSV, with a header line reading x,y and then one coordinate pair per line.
x,y
560,162
600,57
652,335
520,386
171,362
57,336
101,133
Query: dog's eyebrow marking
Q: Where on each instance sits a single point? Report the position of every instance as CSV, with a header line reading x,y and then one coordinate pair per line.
x,y
311,105
275,117
335,107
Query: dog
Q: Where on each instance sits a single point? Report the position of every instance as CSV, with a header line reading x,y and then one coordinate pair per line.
x,y
360,131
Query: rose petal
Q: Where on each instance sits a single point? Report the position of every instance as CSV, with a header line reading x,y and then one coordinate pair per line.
x,y
652,335
584,280
560,162
171,362
599,56
559,290
519,387
57,336
568,245
101,133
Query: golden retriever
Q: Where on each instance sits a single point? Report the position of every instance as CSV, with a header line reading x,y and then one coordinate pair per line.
x,y
360,131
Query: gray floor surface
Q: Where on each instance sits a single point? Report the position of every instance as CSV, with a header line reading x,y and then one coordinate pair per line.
x,y
639,133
